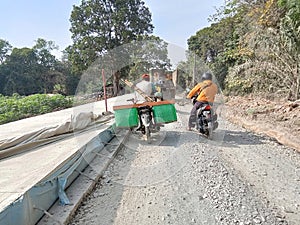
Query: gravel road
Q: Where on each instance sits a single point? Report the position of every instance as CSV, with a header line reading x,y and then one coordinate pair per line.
x,y
183,178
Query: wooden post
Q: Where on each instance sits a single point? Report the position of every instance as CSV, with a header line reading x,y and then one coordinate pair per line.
x,y
104,90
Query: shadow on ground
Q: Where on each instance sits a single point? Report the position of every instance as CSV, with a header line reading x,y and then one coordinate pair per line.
x,y
237,138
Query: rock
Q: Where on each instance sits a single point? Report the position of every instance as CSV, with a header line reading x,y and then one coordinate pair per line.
x,y
280,118
297,122
256,221
294,105
288,210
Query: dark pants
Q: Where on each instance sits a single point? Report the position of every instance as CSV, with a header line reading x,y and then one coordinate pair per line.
x,y
192,119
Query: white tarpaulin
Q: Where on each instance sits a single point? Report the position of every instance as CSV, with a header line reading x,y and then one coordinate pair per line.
x,y
27,141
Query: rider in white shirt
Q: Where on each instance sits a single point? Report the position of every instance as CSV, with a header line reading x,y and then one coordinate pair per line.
x,y
146,86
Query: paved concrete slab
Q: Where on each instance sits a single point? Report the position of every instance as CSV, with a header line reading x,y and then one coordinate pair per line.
x,y
84,184
21,172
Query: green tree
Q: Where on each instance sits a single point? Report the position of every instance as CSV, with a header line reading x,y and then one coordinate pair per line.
x,y
5,48
69,80
273,39
98,26
43,50
32,70
146,53
20,71
290,30
218,45
48,65
128,61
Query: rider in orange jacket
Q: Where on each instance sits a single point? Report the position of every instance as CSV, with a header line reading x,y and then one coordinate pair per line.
x,y
206,91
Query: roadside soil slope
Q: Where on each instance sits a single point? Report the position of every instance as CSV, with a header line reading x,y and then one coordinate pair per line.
x,y
276,118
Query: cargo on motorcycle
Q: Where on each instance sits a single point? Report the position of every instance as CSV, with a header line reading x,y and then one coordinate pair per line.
x,y
146,116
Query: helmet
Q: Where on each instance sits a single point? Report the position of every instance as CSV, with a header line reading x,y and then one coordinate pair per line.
x,y
160,82
145,76
206,76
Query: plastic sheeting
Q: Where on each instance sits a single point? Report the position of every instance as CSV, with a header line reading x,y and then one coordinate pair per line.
x,y
19,144
28,209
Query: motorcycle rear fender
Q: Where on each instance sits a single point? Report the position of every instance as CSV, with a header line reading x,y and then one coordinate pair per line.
x,y
146,120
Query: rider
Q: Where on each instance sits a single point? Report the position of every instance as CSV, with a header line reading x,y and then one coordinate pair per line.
x,y
206,91
146,86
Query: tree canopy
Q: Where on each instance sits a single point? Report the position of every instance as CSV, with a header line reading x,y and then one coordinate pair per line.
x,y
32,70
253,46
5,47
98,26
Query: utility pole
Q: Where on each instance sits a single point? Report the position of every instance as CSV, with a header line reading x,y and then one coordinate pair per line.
x,y
194,70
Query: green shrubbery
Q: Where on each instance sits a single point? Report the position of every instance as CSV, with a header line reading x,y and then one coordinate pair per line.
x,y
18,107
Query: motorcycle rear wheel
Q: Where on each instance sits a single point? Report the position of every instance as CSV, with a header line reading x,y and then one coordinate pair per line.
x,y
148,135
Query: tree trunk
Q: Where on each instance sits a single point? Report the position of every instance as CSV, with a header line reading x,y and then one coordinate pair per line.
x,y
116,82
297,82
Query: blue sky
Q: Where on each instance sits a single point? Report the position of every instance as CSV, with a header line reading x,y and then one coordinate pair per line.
x,y
24,21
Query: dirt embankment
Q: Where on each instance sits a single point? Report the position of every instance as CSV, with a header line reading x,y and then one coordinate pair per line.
x,y
279,119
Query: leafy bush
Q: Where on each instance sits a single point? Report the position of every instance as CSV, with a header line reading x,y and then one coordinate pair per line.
x,y
238,85
18,107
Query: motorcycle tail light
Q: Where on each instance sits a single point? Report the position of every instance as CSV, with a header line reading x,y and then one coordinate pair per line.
x,y
207,107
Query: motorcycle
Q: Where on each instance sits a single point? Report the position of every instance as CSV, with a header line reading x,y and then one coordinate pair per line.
x,y
146,122
206,119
